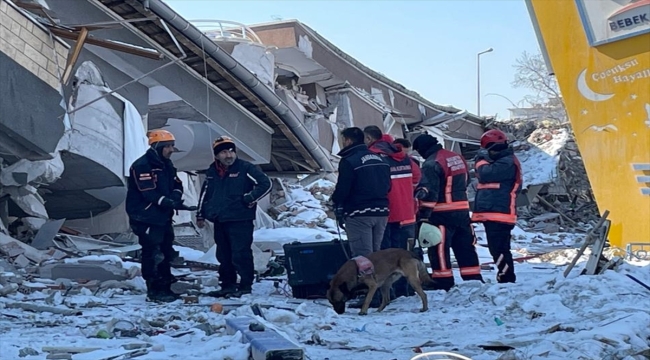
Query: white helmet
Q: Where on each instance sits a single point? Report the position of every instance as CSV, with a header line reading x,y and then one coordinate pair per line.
x,y
429,235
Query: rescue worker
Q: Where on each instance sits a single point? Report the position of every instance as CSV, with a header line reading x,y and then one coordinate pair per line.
x,y
401,203
499,176
229,196
443,203
154,192
400,197
361,194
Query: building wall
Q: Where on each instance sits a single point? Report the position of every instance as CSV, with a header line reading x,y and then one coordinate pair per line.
x,y
30,45
28,74
606,90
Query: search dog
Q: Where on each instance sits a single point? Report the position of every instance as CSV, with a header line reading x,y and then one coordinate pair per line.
x,y
389,266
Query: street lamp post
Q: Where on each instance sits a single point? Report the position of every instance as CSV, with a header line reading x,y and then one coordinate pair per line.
x,y
478,80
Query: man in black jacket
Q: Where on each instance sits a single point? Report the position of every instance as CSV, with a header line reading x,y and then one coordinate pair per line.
x,y
229,196
154,192
361,194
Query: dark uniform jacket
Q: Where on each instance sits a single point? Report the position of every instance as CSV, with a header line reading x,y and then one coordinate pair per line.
x,y
231,194
363,182
499,182
444,179
152,178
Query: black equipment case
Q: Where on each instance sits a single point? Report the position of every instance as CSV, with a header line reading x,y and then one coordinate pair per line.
x,y
311,266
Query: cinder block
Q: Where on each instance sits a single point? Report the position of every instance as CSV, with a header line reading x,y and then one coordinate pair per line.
x,y
41,34
36,56
27,63
17,16
15,27
6,48
31,40
3,6
264,345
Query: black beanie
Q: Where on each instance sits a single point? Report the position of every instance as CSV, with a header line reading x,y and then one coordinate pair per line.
x,y
223,143
423,143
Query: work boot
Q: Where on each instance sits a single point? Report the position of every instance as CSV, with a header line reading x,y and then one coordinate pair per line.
x,y
162,297
241,291
225,291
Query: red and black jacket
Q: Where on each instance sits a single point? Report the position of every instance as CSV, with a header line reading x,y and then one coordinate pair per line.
x,y
499,182
401,201
444,178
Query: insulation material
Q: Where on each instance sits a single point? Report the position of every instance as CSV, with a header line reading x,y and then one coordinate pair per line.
x,y
377,95
305,46
135,136
336,148
257,60
25,172
28,200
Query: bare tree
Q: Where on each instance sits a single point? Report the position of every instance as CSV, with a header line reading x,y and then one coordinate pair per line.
x,y
531,73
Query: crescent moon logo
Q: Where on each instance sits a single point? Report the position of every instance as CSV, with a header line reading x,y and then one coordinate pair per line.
x,y
587,92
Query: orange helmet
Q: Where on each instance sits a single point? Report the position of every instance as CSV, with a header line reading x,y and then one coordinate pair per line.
x,y
160,135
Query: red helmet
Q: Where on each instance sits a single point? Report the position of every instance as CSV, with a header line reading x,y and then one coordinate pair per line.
x,y
493,137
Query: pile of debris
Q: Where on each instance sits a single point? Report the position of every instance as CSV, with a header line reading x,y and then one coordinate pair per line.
x,y
61,261
554,175
293,205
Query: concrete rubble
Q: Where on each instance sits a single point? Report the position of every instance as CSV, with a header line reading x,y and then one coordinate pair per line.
x,y
558,190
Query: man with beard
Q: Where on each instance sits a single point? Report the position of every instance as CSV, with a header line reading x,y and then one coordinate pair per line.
x,y
154,192
229,196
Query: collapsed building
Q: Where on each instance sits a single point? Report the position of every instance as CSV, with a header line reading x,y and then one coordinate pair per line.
x,y
107,71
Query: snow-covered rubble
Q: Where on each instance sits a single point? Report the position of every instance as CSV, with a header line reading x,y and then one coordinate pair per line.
x,y
543,316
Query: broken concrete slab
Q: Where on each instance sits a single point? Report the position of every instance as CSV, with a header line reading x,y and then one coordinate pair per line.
x,y
46,234
41,308
30,252
11,250
97,271
21,261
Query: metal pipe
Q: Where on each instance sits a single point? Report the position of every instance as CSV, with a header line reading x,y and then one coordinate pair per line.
x,y
245,76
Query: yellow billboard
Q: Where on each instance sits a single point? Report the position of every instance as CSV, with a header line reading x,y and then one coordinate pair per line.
x,y
599,51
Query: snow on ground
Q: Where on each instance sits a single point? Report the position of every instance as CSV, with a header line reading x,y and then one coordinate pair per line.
x,y
542,316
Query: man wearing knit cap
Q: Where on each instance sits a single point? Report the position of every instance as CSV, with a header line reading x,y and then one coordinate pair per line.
x,y
229,196
442,194
154,192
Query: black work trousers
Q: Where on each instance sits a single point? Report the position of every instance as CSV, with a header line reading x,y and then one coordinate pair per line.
x,y
156,254
396,235
498,237
234,240
458,236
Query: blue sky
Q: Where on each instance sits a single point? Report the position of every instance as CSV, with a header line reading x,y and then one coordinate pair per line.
x,y
428,46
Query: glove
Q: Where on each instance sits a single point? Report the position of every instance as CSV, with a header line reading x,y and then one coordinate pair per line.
x,y
168,203
248,200
176,195
421,193
483,154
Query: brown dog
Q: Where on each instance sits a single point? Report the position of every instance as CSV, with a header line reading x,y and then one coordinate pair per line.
x,y
389,266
